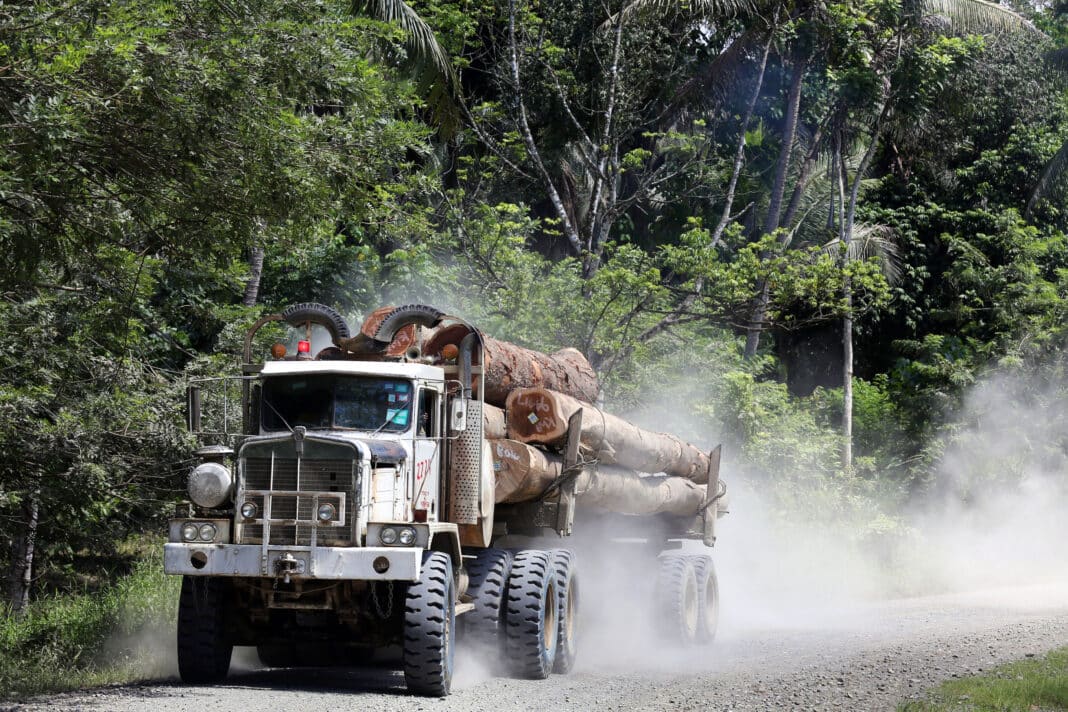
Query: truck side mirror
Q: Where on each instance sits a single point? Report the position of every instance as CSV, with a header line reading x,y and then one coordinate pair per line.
x,y
458,414
192,409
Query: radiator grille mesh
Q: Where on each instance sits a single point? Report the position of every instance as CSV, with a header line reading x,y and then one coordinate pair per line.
x,y
317,475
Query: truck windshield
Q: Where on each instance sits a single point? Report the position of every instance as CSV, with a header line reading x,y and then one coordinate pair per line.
x,y
333,401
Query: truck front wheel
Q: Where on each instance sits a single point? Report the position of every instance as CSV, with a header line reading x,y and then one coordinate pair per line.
x,y
204,647
533,608
430,627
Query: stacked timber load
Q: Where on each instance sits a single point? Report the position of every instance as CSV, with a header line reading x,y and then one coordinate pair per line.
x,y
529,399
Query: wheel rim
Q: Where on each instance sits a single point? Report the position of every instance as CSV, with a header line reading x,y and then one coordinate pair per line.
x,y
550,618
690,606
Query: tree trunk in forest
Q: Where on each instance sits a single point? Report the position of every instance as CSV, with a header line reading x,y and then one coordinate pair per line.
x,y
20,576
509,367
538,415
252,286
778,190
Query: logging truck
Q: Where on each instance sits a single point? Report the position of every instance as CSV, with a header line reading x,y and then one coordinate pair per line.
x,y
385,488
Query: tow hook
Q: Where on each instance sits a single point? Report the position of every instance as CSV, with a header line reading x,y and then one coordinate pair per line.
x,y
287,565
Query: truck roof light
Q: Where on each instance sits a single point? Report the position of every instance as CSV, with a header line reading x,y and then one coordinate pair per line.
x,y
303,347
278,351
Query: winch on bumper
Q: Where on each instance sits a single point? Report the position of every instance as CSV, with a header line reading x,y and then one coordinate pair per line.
x,y
321,562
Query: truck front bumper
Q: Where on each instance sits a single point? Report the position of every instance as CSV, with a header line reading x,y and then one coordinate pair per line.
x,y
321,562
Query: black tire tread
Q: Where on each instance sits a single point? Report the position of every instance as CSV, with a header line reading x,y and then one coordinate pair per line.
x,y
296,314
429,627
531,588
404,315
487,588
563,562
204,649
675,570
707,621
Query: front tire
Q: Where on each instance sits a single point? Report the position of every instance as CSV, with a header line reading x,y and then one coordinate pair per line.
x,y
430,627
531,621
204,646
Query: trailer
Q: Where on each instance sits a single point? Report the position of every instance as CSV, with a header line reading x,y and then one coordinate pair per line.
x,y
372,498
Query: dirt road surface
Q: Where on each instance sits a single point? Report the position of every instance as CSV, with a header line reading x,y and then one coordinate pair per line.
x,y
838,657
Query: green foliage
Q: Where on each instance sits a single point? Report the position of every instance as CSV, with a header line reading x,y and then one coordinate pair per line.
x,y
82,639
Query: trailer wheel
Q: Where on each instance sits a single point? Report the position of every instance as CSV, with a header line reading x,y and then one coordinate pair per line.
x,y
531,621
297,314
678,597
487,588
567,593
204,647
707,597
430,627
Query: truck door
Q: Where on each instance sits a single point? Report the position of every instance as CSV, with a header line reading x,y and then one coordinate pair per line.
x,y
427,466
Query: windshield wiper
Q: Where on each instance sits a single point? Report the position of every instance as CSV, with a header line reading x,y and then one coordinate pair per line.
x,y
388,421
280,417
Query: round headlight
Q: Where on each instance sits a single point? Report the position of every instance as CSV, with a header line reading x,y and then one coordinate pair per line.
x,y
190,531
388,536
407,536
326,512
209,484
249,510
207,532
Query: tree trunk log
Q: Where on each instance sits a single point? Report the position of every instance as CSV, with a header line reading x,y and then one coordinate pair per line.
x,y
538,415
255,273
494,426
625,492
509,367
523,472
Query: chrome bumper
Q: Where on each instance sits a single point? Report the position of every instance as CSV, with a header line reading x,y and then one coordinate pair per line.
x,y
321,562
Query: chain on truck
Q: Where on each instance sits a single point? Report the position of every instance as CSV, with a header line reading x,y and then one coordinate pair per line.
x,y
356,511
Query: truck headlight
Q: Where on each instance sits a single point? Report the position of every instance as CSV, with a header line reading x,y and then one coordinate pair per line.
x,y
207,532
249,510
388,536
210,484
326,512
407,536
190,531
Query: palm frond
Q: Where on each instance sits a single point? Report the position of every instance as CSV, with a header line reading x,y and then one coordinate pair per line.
x,y
694,8
1051,175
978,16
872,240
428,62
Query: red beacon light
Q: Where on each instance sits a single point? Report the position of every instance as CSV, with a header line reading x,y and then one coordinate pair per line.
x,y
303,349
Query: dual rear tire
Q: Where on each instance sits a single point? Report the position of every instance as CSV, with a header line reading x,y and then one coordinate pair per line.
x,y
688,598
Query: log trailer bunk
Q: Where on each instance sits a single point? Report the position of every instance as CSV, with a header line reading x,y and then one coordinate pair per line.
x,y
357,511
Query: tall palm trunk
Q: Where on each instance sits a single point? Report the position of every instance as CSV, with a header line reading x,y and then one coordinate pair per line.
x,y
778,190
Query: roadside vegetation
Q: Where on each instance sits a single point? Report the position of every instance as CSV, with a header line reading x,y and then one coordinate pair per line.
x,y
805,230
1034,684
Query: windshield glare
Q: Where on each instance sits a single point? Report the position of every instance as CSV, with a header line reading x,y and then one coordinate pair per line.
x,y
334,401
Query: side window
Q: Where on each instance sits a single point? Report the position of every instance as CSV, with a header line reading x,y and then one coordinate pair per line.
x,y
427,426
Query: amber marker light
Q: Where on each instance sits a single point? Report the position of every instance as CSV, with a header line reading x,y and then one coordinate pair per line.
x,y
450,352
278,351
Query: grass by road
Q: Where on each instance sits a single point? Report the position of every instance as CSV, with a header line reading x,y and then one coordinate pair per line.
x,y
1027,685
74,640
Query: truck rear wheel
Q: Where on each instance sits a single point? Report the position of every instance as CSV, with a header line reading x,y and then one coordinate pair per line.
x,y
707,598
487,588
531,621
678,598
430,627
567,593
204,648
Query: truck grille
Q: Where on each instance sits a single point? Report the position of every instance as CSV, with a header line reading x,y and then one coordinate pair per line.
x,y
291,499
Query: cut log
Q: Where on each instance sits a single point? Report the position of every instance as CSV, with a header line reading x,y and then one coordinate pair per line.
x,y
539,415
509,367
523,472
626,492
494,426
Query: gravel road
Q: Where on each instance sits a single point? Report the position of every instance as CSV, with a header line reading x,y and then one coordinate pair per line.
x,y
839,656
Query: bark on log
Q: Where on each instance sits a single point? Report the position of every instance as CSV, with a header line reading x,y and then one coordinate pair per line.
x,y
539,415
509,367
523,473
626,492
